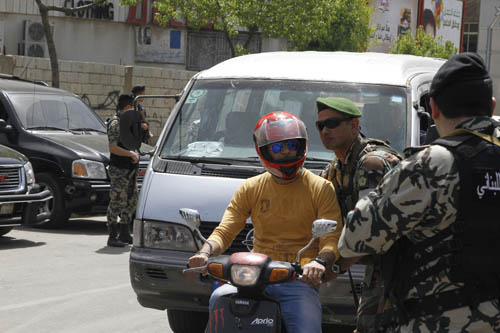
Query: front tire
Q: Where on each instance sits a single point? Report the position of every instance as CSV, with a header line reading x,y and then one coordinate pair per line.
x,y
56,207
187,321
4,230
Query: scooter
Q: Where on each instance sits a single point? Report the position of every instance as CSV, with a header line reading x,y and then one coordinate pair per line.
x,y
250,309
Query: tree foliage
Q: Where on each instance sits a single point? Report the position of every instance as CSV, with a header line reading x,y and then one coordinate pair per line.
x,y
349,30
423,44
300,21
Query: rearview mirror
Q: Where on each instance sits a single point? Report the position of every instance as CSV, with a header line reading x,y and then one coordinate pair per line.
x,y
323,227
320,228
193,221
192,217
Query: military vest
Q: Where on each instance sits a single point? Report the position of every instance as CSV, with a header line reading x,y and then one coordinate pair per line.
x,y
470,255
122,162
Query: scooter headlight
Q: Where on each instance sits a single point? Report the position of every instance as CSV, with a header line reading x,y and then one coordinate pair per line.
x,y
244,275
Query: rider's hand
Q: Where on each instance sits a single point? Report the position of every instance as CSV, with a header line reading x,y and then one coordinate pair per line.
x,y
312,273
198,260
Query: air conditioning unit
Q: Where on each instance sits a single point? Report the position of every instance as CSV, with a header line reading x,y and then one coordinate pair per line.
x,y
34,42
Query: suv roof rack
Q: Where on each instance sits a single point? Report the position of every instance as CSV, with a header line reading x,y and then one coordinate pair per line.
x,y
17,78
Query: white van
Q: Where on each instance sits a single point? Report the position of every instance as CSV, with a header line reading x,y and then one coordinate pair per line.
x,y
206,151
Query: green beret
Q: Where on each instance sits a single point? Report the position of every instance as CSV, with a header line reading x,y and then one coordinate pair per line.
x,y
339,104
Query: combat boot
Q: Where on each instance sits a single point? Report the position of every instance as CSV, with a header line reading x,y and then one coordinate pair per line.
x,y
113,236
125,236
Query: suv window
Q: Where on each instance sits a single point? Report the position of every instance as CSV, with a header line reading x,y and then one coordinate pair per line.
x,y
218,116
55,111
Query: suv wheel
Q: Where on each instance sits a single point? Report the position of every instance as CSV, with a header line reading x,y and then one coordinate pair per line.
x,y
58,215
4,230
187,321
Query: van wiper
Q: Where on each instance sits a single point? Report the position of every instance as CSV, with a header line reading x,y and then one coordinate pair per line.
x,y
215,160
87,129
48,128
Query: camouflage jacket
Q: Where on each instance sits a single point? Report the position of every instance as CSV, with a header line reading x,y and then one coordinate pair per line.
x,y
418,199
114,131
367,161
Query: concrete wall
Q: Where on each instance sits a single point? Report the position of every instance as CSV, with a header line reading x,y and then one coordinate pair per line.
x,y
99,85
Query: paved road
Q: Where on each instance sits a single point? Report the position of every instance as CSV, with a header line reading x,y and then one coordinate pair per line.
x,y
69,281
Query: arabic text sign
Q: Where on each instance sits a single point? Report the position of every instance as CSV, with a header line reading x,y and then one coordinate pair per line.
x,y
447,19
392,18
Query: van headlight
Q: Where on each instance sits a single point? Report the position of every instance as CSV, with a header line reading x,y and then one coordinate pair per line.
x,y
168,236
88,169
30,173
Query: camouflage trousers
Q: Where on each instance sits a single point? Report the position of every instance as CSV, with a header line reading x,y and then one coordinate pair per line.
x,y
122,195
371,300
369,306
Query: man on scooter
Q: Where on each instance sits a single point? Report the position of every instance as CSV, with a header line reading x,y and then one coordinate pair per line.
x,y
282,203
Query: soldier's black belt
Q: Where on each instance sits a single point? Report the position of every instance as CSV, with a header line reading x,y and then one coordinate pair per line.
x,y
435,305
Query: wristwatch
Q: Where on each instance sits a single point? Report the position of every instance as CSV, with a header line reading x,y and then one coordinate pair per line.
x,y
321,261
336,269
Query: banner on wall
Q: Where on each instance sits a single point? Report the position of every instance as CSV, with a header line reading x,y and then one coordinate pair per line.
x,y
159,45
390,19
443,18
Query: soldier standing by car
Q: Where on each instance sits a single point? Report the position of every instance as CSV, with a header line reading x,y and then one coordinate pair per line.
x,y
122,172
358,167
434,217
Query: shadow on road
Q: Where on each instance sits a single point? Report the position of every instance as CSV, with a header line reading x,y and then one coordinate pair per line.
x,y
113,250
7,242
78,225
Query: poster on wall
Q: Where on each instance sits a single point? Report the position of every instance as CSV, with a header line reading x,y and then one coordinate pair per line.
x,y
392,18
159,45
443,18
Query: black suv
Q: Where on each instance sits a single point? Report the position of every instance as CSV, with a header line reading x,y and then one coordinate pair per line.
x,y
64,140
22,202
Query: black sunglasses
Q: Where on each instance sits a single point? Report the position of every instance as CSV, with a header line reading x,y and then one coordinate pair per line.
x,y
331,123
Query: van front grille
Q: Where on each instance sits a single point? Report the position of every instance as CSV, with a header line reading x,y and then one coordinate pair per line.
x,y
206,229
156,273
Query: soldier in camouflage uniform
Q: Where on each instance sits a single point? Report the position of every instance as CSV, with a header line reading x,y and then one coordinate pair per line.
x,y
358,167
434,217
122,172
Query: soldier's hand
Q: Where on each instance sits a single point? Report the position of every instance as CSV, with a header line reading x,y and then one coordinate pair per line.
x,y
134,156
313,272
199,260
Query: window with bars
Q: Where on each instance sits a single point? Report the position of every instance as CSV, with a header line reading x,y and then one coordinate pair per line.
x,y
471,35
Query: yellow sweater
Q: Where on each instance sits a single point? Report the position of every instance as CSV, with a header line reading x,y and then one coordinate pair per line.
x,y
282,216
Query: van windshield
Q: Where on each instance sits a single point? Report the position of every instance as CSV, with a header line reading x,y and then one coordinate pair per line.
x,y
218,116
39,111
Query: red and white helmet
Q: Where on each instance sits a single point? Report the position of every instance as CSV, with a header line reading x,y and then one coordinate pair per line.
x,y
279,126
